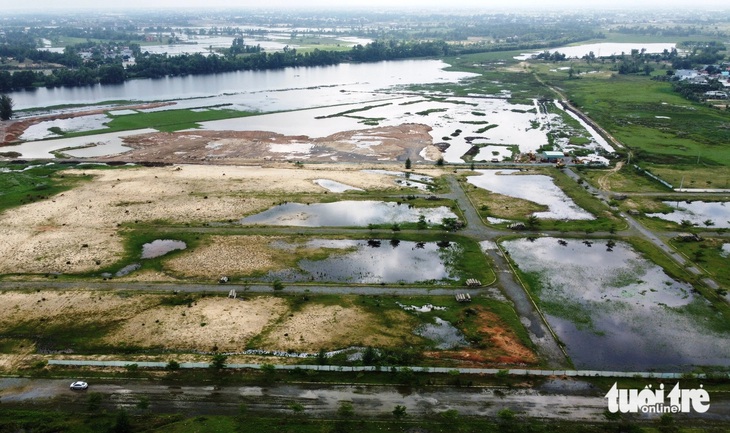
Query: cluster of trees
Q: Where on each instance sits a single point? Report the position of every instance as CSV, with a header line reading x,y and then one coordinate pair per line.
x,y
700,53
551,57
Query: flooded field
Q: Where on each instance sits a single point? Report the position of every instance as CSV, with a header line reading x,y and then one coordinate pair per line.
x,y
699,213
347,213
373,261
614,309
536,188
44,130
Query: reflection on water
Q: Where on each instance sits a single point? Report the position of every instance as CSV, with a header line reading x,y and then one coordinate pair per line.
x,y
697,212
536,188
616,310
346,213
160,247
374,261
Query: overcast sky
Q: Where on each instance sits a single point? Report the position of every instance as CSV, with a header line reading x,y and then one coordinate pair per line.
x,y
484,5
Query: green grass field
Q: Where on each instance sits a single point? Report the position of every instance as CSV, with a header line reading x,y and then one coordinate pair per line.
x,y
659,125
39,183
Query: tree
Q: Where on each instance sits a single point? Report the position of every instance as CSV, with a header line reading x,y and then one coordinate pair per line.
x,y
408,163
6,107
399,411
532,222
122,423
218,362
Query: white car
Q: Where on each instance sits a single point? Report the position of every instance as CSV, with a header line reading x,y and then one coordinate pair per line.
x,y
79,385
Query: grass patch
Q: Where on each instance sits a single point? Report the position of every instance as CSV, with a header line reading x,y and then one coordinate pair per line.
x,y
171,120
19,186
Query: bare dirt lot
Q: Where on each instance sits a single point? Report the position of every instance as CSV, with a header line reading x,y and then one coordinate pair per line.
x,y
77,231
393,143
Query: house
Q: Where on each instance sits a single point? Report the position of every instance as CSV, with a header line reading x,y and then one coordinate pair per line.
x,y
685,74
552,156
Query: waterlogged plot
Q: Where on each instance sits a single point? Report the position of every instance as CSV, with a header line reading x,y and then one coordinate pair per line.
x,y
58,127
536,188
347,213
84,147
411,180
699,213
374,261
616,310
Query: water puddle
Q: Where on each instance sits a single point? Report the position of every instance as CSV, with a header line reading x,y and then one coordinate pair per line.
x,y
698,213
423,309
616,310
127,270
536,188
444,335
374,261
347,213
334,186
160,247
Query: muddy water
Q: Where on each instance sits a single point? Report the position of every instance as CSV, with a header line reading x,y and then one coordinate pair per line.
x,y
346,214
374,261
616,310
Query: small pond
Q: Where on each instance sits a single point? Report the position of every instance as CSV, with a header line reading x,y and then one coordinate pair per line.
x,y
697,212
160,247
616,310
373,261
443,334
346,213
533,187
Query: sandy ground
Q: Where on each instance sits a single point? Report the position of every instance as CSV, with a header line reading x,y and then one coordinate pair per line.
x,y
229,255
203,325
210,324
334,327
77,231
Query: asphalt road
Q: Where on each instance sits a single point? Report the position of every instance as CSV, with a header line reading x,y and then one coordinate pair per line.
x,y
554,399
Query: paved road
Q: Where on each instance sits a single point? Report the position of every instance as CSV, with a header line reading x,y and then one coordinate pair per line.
x,y
532,319
552,400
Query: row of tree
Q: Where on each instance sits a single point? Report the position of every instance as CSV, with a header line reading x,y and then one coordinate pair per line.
x,y
161,65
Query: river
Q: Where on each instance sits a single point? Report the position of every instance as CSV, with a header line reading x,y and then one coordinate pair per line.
x,y
309,86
